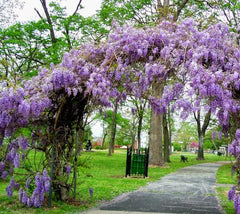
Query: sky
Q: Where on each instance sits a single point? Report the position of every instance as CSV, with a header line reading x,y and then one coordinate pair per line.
x,y
27,13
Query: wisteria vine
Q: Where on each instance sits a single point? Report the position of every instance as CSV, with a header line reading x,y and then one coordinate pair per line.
x,y
205,63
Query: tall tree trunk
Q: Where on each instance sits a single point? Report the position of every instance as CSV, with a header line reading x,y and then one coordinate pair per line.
x,y
201,131
155,144
200,146
155,138
166,139
104,138
78,145
155,141
169,123
113,129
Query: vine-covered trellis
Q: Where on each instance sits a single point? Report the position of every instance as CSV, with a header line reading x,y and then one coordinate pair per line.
x,y
46,112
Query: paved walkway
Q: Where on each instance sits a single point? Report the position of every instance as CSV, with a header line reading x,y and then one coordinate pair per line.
x,y
189,190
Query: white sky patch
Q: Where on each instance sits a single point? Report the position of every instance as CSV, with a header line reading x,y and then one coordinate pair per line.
x,y
27,13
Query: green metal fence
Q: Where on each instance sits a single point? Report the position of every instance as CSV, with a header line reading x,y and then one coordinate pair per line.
x,y
137,162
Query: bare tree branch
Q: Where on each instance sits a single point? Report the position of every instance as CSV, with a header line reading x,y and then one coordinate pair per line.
x,y
77,8
38,13
226,16
206,121
197,118
179,9
49,20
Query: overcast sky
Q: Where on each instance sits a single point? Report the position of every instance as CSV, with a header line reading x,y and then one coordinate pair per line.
x,y
28,13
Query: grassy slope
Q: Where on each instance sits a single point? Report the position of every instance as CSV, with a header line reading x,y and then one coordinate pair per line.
x,y
106,176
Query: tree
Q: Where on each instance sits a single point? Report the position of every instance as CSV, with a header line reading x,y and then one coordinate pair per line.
x,y
168,127
87,133
127,128
113,129
214,139
166,138
123,132
25,47
202,128
229,11
144,13
21,52
177,146
139,110
186,134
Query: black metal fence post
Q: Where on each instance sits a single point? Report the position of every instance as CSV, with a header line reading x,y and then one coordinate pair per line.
x,y
146,162
128,162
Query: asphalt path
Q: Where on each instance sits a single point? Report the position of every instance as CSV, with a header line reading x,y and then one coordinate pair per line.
x,y
189,190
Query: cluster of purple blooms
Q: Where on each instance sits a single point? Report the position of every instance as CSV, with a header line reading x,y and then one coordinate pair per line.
x,y
13,157
42,184
205,64
234,149
68,170
11,187
214,135
2,171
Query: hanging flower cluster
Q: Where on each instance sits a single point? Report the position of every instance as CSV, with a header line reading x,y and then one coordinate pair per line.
x,y
234,149
42,184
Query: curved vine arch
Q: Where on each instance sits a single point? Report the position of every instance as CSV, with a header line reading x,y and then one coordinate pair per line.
x,y
157,63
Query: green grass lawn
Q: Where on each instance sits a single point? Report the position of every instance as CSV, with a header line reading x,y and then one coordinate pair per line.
x,y
105,175
224,177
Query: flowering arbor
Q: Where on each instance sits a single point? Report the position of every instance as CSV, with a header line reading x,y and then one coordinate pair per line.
x,y
133,61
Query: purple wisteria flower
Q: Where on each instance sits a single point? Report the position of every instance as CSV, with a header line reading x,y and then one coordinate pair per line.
x,y
11,187
9,190
213,135
46,180
91,192
219,135
4,175
28,182
16,161
68,170
2,166
236,201
23,197
134,111
23,142
237,134
20,194
42,184
231,193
